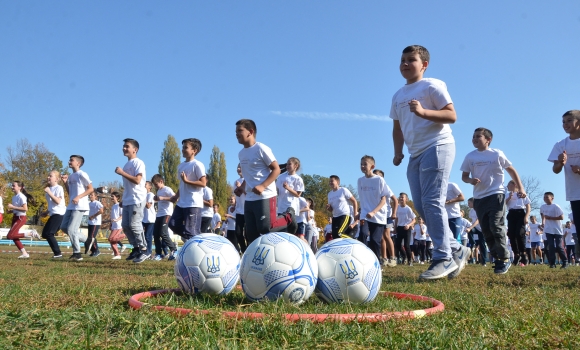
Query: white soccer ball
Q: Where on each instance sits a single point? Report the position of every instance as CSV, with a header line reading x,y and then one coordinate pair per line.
x,y
278,265
347,271
207,263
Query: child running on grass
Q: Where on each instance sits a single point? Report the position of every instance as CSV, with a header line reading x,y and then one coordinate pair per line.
x,y
164,211
116,235
18,208
95,211
56,208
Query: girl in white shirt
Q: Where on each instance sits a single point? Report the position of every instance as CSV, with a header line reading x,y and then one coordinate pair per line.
x,y
518,214
117,234
54,194
18,208
421,239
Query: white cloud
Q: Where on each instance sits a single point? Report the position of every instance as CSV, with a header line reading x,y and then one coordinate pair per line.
x,y
335,116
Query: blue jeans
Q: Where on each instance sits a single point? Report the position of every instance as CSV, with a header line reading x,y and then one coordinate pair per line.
x,y
455,227
148,229
428,175
71,223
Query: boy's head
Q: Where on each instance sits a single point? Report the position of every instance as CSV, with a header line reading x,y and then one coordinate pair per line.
x,y
367,164
403,198
148,186
246,131
482,138
334,181
232,200
190,147
533,219
414,62
567,224
76,161
132,142
571,121
216,207
157,181
93,196
548,197
379,172
116,196
470,202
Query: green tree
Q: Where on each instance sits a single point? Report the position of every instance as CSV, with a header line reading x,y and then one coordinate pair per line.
x,y
218,178
31,164
170,159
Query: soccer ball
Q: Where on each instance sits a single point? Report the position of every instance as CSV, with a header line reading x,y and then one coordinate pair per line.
x,y
347,271
278,264
207,263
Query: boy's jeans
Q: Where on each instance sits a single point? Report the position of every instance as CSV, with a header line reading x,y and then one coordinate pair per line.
x,y
428,175
71,223
133,226
491,214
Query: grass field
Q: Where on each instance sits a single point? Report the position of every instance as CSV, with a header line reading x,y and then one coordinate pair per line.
x,y
72,305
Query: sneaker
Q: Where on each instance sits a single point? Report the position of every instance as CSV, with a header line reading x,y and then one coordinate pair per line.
x,y
35,234
142,257
77,256
87,248
123,248
133,255
292,226
95,254
24,256
116,257
502,267
460,257
439,269
422,263
391,262
172,255
552,266
57,256
410,264
564,265
158,258
383,262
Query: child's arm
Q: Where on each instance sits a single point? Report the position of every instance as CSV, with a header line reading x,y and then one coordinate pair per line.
x,y
52,196
291,190
274,173
174,198
474,224
22,208
64,179
395,206
100,212
199,183
411,224
528,210
459,198
354,204
514,175
239,190
465,178
134,179
378,207
398,142
445,115
559,165
208,203
88,191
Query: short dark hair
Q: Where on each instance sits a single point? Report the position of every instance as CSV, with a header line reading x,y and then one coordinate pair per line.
x,y
422,51
470,199
335,177
549,194
379,172
81,159
486,133
116,195
574,113
367,157
194,143
157,178
404,194
248,124
133,142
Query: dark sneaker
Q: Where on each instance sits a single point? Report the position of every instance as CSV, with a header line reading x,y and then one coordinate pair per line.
x,y
133,255
460,257
502,267
292,226
77,256
439,269
173,255
95,254
564,265
142,257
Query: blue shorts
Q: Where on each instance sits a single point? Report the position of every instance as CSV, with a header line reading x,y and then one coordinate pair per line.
x,y
536,245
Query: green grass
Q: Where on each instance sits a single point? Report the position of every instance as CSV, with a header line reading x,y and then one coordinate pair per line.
x,y
72,305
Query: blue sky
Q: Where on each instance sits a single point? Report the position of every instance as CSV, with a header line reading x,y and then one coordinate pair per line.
x,y
317,77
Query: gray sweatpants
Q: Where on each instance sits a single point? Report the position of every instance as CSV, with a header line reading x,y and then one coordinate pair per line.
x,y
71,225
132,225
490,211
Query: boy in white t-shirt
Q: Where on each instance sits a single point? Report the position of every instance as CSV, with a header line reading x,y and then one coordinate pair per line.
x,y
96,209
338,199
387,245
486,166
290,186
405,223
535,234
566,155
230,223
216,219
186,218
56,208
480,251
373,192
552,216
260,169
518,215
164,211
207,210
78,185
149,216
328,230
420,231
452,206
134,194
239,213
422,111
569,242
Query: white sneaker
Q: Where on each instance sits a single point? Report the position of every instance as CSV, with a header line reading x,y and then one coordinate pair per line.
x,y
24,256
116,257
123,249
35,234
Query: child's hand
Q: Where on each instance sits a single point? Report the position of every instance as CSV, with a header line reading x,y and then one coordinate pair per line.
x,y
238,184
47,189
474,181
118,170
563,158
258,189
155,198
238,191
415,107
398,158
370,215
76,200
522,194
183,176
328,207
10,206
575,169
64,178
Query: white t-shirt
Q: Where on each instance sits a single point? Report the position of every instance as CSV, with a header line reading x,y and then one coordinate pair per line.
x,y
149,214
421,134
190,196
285,198
77,184
328,229
53,208
312,222
207,211
216,218
487,166
569,240
338,201
552,226
572,148
255,162
240,200
418,235
404,215
535,233
516,202
18,201
465,224
116,212
165,208
370,191
453,209
231,222
94,207
303,216
134,194
473,217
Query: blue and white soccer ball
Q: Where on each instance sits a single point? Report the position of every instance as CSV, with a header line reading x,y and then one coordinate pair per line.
x,y
347,271
278,265
207,263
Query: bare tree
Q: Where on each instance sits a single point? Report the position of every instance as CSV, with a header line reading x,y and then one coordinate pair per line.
x,y
534,191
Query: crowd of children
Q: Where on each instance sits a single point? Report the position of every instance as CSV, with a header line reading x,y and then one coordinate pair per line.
x,y
268,197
